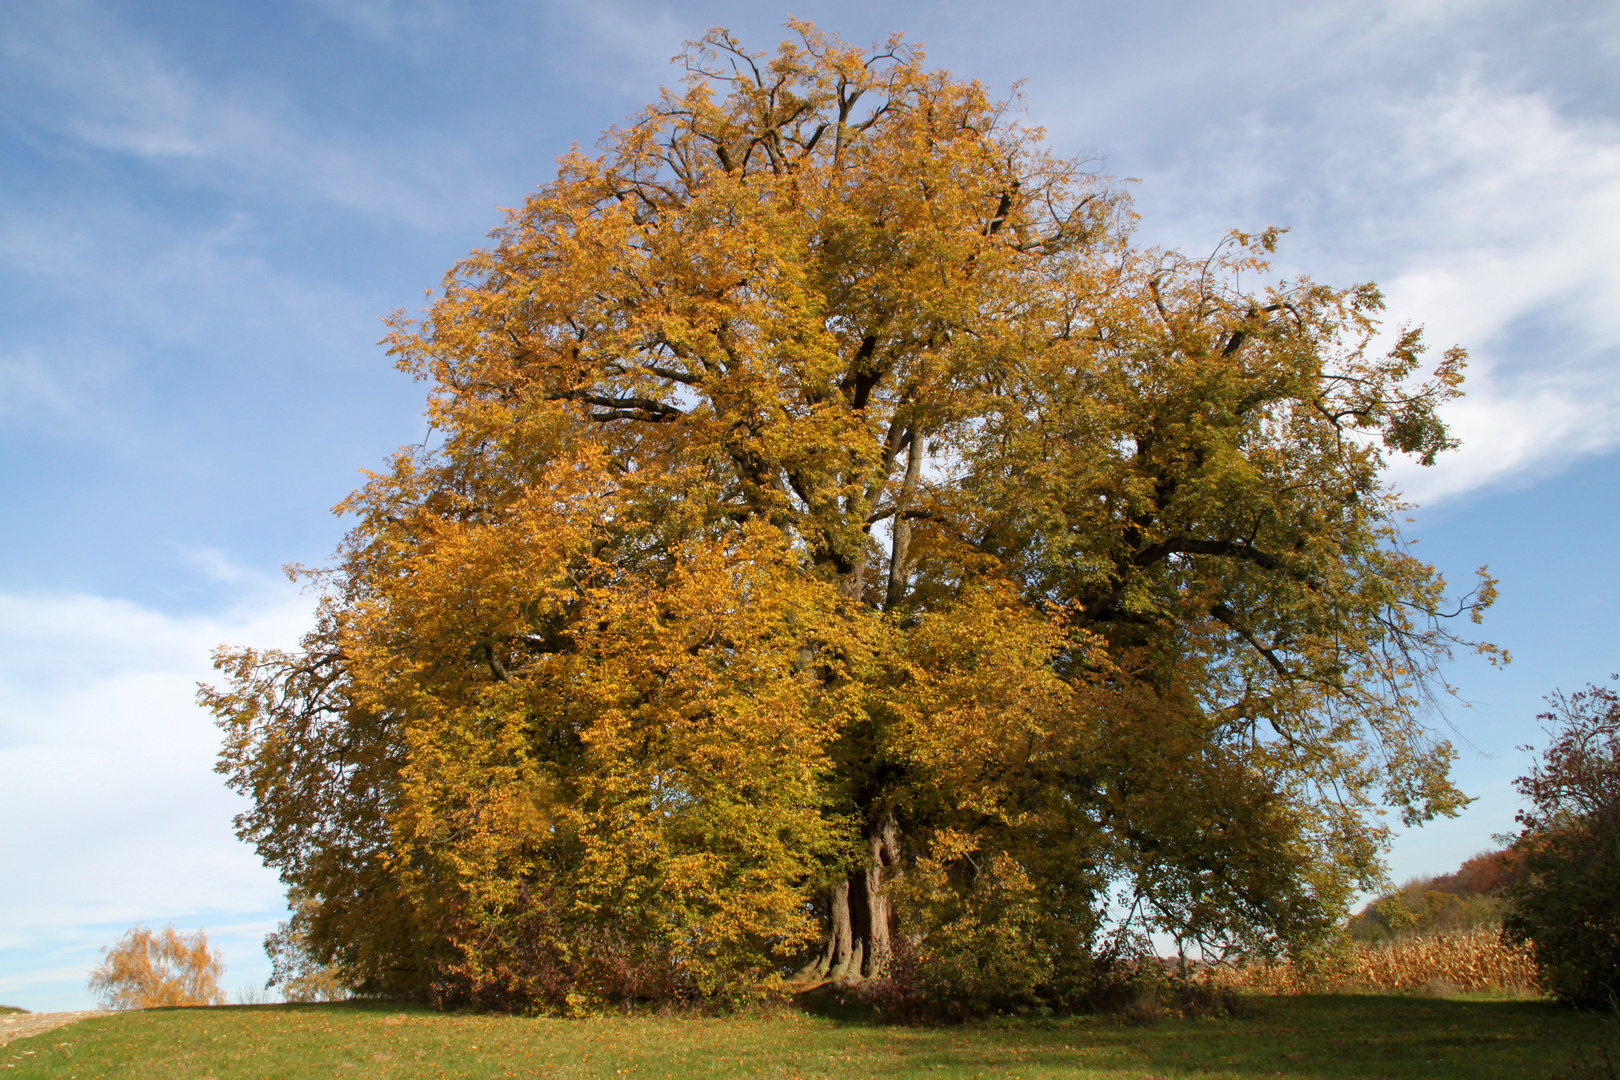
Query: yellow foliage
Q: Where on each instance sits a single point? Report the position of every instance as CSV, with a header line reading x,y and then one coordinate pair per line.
x,y
824,489
157,969
300,975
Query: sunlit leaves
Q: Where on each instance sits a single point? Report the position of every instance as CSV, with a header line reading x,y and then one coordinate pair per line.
x,y
818,464
157,969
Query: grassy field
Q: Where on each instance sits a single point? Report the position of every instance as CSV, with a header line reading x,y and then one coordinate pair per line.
x,y
1305,1037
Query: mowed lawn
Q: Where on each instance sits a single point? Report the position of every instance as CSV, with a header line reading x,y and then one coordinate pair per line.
x,y
1337,1036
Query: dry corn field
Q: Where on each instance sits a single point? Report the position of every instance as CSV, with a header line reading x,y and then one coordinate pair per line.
x,y
1472,960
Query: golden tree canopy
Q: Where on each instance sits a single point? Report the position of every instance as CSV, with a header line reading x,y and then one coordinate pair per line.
x,y
837,536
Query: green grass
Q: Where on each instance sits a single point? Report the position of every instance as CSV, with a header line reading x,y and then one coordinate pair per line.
x,y
10,1009
1312,1037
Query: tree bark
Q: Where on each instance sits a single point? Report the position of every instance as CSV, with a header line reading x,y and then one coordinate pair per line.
x,y
900,527
860,922
860,916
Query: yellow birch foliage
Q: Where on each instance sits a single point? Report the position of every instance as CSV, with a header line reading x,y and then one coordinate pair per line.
x,y
158,969
824,490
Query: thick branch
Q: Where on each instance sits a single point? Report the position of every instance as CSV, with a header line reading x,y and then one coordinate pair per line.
x,y
864,375
1225,615
900,547
625,408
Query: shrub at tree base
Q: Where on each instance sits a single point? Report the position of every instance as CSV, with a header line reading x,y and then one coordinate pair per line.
x,y
932,990
155,969
1567,908
836,530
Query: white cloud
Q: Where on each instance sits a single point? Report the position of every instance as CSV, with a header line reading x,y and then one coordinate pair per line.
x,y
11,983
1523,212
113,813
1488,210
1517,429
218,566
1512,255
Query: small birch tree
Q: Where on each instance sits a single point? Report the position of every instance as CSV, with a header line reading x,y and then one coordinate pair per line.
x,y
155,969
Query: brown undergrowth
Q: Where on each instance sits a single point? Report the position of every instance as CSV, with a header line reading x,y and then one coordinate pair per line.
x,y
1467,961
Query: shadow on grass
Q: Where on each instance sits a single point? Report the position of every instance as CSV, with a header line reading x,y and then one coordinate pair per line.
x,y
1344,1036
1348,1035
1327,1036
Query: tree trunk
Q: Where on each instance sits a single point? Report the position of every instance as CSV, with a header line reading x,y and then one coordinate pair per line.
x,y
900,526
860,916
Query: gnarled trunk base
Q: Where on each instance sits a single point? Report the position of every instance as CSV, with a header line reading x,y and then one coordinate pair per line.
x,y
860,916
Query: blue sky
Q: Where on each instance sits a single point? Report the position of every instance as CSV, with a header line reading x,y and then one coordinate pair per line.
x,y
206,208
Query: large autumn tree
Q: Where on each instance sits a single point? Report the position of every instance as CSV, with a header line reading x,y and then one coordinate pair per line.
x,y
836,536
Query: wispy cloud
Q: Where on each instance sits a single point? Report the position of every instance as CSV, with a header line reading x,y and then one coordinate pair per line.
x,y
78,74
399,23
156,298
1488,210
113,813
33,389
1522,210
1511,253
